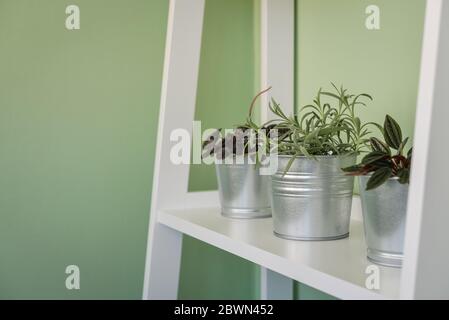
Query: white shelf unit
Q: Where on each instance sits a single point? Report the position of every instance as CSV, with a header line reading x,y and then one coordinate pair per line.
x,y
335,267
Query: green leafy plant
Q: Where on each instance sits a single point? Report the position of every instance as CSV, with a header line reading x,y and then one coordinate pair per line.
x,y
382,162
323,128
245,139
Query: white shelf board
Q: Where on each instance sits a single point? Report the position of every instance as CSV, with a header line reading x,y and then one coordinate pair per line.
x,y
335,267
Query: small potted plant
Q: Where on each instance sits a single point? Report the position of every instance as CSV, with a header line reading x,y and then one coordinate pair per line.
x,y
243,189
384,178
311,196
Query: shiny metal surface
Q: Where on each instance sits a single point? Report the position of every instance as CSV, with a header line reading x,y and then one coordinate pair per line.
x,y
244,193
384,214
312,201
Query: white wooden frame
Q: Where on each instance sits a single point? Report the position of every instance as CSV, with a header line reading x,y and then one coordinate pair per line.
x,y
182,55
277,70
426,257
426,264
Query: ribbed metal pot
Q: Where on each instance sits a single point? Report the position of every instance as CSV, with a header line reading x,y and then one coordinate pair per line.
x,y
384,215
312,201
244,193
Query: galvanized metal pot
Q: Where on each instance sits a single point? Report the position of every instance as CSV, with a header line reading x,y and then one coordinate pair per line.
x,y
384,215
244,193
312,201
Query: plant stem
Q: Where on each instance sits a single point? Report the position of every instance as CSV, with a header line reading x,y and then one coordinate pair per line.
x,y
255,99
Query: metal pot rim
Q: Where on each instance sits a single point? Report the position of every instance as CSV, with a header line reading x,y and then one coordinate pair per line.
x,y
234,164
370,174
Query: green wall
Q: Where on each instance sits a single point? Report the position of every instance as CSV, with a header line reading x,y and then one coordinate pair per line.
x,y
333,45
78,119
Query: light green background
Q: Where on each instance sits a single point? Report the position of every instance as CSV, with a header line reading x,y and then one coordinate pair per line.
x,y
333,44
78,118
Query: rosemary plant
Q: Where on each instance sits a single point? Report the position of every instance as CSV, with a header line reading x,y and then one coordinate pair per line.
x,y
323,128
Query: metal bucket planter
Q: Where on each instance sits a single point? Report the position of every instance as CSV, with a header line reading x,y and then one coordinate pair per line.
x,y
384,214
244,193
312,201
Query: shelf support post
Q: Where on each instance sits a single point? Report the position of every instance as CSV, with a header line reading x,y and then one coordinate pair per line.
x,y
426,258
177,109
277,70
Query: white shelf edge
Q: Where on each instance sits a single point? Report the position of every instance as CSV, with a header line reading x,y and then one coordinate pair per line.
x,y
302,273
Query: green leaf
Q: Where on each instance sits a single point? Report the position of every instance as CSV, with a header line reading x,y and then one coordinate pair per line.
x,y
311,106
357,124
378,126
404,175
289,164
312,136
378,145
330,130
381,163
366,96
352,168
392,133
304,151
330,94
409,153
378,178
402,146
373,157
